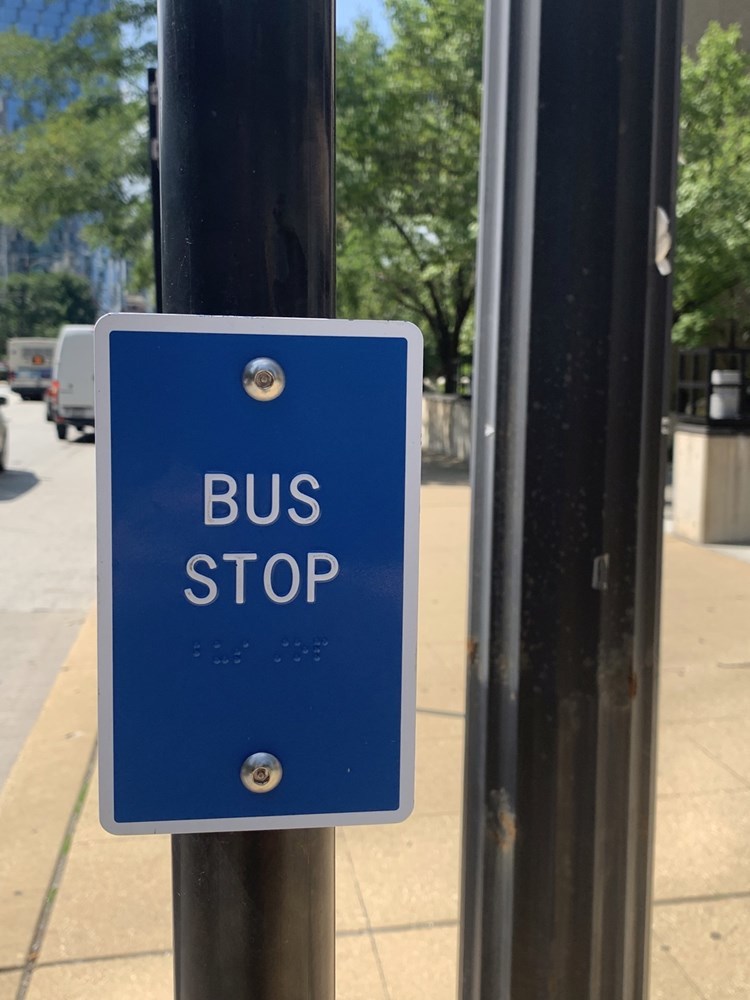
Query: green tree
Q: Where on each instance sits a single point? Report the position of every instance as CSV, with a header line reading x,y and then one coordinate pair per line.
x,y
81,148
37,304
408,153
712,270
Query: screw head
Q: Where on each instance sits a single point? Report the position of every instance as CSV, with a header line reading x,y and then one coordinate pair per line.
x,y
261,772
263,379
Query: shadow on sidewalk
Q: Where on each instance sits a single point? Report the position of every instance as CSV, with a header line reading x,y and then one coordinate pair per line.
x,y
15,482
444,471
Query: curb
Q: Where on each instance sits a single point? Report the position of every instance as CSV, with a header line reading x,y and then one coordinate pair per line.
x,y
40,799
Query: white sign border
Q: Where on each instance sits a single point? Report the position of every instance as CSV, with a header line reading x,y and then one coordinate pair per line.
x,y
178,324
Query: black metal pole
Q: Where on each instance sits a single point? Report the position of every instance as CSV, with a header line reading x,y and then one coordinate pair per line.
x,y
567,509
246,144
504,271
153,152
656,405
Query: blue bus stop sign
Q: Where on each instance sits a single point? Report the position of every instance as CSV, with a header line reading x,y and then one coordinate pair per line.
x,y
258,496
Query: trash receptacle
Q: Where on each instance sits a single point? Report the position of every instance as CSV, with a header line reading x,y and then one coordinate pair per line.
x,y
725,395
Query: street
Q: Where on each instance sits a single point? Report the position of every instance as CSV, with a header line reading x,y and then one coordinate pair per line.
x,y
48,577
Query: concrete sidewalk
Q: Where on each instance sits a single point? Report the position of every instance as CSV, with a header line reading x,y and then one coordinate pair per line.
x,y
84,915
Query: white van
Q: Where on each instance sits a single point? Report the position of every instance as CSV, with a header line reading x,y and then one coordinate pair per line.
x,y
71,394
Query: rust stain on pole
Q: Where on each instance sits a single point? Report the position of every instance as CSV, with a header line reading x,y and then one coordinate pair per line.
x,y
501,819
472,650
633,685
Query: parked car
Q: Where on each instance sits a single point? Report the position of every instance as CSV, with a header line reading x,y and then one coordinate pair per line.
x,y
3,437
70,398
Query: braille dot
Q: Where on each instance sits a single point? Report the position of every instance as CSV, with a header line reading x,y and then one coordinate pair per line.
x,y
305,650
325,642
277,659
217,660
285,642
297,642
196,653
316,658
237,660
217,644
245,645
297,659
225,660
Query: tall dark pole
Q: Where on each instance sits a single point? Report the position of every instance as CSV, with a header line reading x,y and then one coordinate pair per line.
x,y
153,152
568,486
246,143
656,405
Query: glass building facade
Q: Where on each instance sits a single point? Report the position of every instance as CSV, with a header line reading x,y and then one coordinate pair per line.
x,y
46,18
64,249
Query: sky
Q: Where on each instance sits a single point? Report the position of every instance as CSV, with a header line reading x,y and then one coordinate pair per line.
x,y
347,12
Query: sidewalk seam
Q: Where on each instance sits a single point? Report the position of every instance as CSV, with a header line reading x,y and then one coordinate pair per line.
x,y
441,712
716,897
421,925
56,879
89,959
666,951
368,927
717,760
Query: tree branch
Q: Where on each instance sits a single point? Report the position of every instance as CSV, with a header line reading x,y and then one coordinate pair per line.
x,y
436,302
695,304
407,239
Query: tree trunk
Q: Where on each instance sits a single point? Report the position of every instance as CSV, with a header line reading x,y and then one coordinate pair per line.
x,y
447,342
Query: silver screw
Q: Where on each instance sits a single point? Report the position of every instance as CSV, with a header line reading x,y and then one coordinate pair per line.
x,y
261,772
263,379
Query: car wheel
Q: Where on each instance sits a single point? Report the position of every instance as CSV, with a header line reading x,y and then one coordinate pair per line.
x,y
62,431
